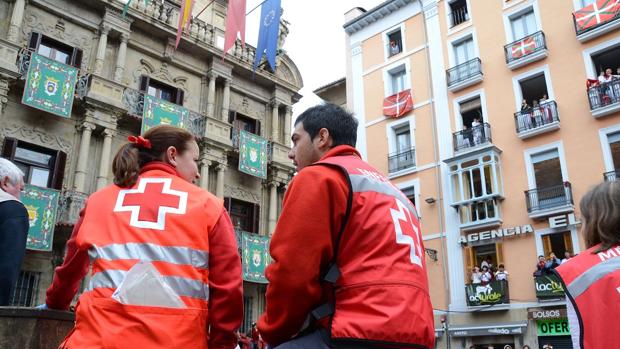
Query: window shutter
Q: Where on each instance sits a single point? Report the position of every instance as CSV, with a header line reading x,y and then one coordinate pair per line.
x,y
179,96
258,127
499,253
546,239
8,149
144,83
255,225
232,115
468,253
568,243
76,58
59,170
33,41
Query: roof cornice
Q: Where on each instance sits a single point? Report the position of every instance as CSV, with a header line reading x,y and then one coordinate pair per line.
x,y
374,15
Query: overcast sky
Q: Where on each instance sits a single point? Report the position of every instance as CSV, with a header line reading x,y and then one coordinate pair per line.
x,y
315,42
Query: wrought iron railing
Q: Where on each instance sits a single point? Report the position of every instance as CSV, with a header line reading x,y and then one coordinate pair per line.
x,y
604,94
536,117
25,292
611,175
611,15
133,101
525,47
464,71
70,204
82,86
401,160
548,198
471,137
458,16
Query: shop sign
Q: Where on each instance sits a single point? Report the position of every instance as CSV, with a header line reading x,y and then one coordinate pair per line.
x,y
495,292
546,314
548,286
555,327
499,330
563,220
496,233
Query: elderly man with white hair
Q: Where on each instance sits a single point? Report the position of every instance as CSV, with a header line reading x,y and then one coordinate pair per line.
x,y
13,228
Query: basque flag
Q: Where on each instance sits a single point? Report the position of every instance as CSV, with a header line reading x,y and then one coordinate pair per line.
x,y
398,104
268,33
597,13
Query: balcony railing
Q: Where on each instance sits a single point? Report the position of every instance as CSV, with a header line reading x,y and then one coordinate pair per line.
x,y
605,94
537,117
597,18
472,137
492,293
458,16
525,47
556,196
548,286
611,175
464,71
401,160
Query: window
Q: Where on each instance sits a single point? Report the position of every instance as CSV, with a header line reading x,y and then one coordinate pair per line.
x,y
458,12
410,192
395,43
534,89
403,139
608,59
475,255
476,188
25,291
464,51
160,90
53,49
547,169
244,215
548,188
614,147
558,243
397,78
474,131
401,145
523,24
42,167
242,122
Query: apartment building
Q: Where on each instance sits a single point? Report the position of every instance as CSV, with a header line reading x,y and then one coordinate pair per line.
x,y
114,68
490,116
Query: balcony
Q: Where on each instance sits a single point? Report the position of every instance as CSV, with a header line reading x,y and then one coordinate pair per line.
x,y
611,175
526,50
537,120
543,202
604,98
70,204
401,161
492,293
596,19
548,287
464,75
472,138
459,15
479,213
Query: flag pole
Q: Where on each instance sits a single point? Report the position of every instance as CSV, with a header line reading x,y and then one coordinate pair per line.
x,y
257,6
203,10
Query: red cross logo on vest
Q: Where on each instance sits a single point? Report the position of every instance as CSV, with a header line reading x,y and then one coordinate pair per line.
x,y
150,202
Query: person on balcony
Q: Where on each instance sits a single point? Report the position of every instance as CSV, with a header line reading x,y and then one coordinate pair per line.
x,y
526,116
501,273
476,276
372,280
485,275
153,217
541,267
546,109
477,130
567,257
14,227
552,262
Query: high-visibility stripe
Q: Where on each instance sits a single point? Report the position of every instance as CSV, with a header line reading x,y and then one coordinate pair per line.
x,y
149,252
181,286
361,183
581,283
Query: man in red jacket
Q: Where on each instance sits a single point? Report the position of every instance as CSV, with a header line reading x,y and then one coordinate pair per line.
x,y
348,265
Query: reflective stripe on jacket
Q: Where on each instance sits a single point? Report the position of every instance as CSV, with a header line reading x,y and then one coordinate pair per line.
x,y
381,297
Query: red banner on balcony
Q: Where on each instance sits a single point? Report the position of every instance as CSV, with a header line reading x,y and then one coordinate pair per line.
x,y
596,13
398,105
523,47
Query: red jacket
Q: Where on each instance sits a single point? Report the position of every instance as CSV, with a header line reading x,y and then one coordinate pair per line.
x,y
592,284
382,295
190,242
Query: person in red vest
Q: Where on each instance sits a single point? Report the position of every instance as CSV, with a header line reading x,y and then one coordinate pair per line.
x,y
347,240
153,214
592,278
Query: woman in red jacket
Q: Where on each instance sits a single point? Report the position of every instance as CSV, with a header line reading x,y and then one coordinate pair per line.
x,y
153,216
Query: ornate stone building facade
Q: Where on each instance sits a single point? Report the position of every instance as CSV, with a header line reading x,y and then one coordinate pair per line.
x,y
120,60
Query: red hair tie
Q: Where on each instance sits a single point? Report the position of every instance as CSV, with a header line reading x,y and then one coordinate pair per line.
x,y
140,141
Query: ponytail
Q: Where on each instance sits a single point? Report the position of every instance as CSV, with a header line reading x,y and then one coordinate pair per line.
x,y
126,166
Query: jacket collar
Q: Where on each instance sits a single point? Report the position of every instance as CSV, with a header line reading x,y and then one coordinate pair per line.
x,y
159,166
341,150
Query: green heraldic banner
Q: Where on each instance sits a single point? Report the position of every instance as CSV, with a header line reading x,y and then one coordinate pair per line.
x,y
255,249
160,112
252,154
50,86
41,204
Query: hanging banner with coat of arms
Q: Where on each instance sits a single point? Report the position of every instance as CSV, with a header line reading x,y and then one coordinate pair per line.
x,y
160,112
41,204
50,86
252,154
255,249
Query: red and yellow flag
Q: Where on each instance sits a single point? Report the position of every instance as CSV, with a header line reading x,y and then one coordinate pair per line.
x,y
184,18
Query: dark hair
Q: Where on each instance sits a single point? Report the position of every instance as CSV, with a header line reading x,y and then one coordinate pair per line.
x,y
131,157
341,124
500,266
601,222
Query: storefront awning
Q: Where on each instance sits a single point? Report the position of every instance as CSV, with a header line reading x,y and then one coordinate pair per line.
x,y
496,329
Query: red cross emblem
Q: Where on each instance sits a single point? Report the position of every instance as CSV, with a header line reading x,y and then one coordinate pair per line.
x,y
150,202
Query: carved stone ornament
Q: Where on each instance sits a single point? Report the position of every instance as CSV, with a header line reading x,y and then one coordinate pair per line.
x,y
163,74
241,194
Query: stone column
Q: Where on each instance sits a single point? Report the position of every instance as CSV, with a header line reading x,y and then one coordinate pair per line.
x,y
211,95
287,126
80,170
275,121
219,189
273,205
120,58
16,20
103,42
204,173
104,165
226,100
